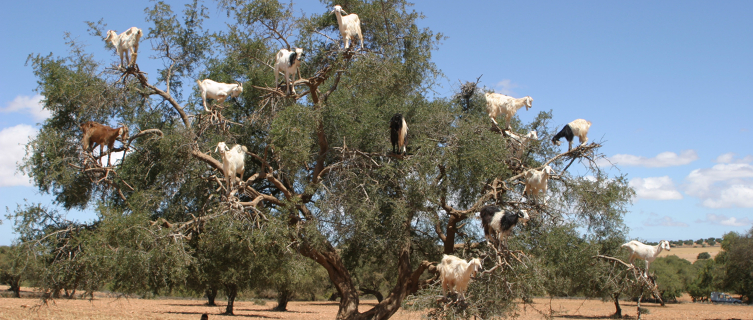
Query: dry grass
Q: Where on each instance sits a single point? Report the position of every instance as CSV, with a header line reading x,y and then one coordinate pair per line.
x,y
690,253
103,307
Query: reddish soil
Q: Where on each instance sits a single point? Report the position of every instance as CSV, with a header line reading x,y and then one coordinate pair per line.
x,y
103,307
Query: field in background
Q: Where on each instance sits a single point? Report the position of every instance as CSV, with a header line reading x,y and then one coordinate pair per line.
x,y
689,253
191,309
105,306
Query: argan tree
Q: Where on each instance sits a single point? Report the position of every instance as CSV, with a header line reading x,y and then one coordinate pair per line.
x,y
319,180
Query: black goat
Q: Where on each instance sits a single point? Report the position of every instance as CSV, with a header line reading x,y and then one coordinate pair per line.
x,y
398,132
497,223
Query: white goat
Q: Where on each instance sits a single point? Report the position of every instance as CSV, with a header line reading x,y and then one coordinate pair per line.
x,y
217,90
455,273
497,104
520,143
350,26
578,127
127,43
233,161
288,62
639,250
536,181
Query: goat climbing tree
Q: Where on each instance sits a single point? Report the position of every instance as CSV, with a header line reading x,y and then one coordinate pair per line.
x,y
320,179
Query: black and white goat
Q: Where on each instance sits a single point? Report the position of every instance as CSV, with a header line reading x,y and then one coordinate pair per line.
x,y
288,62
578,127
398,132
498,224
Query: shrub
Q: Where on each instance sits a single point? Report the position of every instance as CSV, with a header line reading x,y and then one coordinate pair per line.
x,y
703,255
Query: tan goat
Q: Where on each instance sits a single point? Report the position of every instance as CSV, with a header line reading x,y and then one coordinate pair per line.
x,y
96,133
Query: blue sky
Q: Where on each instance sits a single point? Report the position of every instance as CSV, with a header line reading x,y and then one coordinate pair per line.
x,y
667,86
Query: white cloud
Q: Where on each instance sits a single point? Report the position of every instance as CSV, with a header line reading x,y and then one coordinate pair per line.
x,y
665,221
727,184
505,87
32,105
655,188
664,159
730,158
12,141
723,220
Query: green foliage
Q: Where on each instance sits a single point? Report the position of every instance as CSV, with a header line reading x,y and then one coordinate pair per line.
x,y
707,279
673,276
703,255
12,268
738,259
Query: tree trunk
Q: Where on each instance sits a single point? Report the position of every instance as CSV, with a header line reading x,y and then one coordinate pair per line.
x,y
14,284
449,242
617,309
342,281
211,294
232,291
282,300
638,306
376,294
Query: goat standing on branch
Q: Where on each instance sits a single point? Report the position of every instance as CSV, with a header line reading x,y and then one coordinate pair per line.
x,y
497,104
639,250
455,273
217,90
398,133
497,224
536,182
96,133
233,161
579,127
126,43
288,62
350,26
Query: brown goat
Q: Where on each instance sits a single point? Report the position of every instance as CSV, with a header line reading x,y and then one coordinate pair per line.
x,y
96,133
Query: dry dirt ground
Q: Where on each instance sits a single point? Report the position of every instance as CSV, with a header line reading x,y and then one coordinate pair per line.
x,y
103,307
689,253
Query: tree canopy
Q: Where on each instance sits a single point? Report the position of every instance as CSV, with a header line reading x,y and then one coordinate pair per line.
x,y
320,179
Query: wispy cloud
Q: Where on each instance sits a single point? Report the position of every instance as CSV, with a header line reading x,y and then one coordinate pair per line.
x,y
664,159
506,87
12,141
665,221
730,158
31,105
725,185
724,220
655,188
